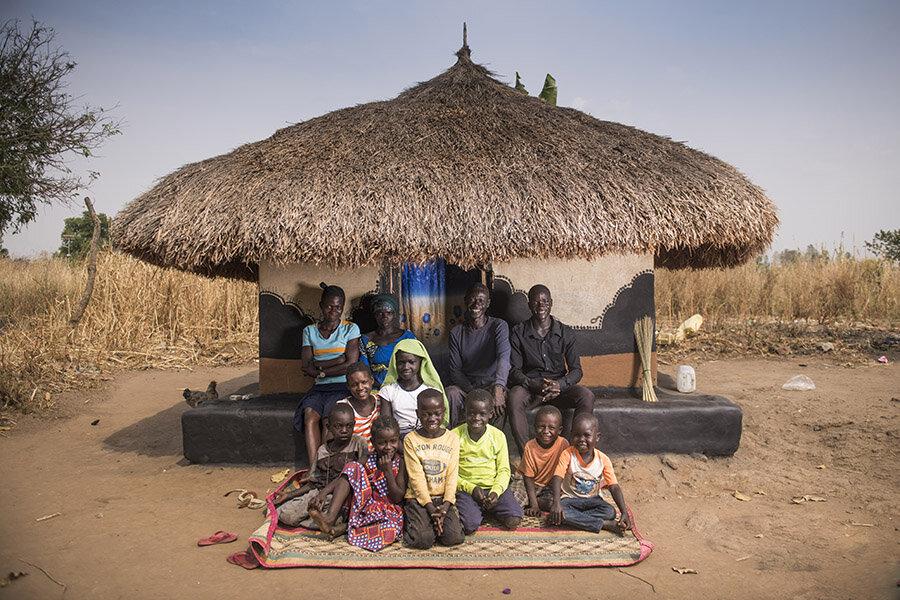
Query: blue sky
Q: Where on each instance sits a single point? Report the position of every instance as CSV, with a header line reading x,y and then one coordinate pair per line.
x,y
801,96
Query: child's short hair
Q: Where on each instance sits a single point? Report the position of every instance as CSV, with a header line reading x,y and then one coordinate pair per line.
x,y
385,423
429,393
480,395
340,407
548,409
358,367
589,417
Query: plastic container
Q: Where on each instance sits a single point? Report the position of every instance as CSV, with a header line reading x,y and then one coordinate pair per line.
x,y
686,379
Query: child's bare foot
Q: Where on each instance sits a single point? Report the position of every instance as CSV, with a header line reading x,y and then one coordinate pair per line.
x,y
615,526
340,529
510,522
325,526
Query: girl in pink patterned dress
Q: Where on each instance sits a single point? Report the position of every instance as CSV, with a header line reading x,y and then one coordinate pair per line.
x,y
377,488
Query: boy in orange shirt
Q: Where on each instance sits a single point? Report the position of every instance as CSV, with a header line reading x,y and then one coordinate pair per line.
x,y
540,457
580,474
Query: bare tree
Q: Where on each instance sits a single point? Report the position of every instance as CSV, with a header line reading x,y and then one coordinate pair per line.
x,y
41,125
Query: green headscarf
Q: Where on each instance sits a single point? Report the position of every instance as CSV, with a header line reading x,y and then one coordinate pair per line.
x,y
427,372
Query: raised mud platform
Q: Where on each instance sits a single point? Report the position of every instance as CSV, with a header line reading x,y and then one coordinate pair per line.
x,y
260,430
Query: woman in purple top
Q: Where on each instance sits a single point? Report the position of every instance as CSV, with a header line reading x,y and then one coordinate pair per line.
x,y
479,354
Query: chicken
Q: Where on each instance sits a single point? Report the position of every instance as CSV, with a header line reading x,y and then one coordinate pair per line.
x,y
194,398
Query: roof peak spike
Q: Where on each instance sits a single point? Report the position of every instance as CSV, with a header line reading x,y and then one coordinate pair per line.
x,y
464,52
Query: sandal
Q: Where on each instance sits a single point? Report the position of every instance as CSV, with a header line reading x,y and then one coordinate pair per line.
x,y
242,559
219,537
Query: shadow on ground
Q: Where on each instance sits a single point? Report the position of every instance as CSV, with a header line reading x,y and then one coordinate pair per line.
x,y
160,434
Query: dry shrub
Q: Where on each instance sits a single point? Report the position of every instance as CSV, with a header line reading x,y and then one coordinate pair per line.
x,y
140,316
818,291
787,309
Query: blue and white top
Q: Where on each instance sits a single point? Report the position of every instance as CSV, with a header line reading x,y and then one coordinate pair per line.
x,y
330,347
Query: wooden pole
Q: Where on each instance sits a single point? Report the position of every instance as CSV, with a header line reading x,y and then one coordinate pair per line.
x,y
91,265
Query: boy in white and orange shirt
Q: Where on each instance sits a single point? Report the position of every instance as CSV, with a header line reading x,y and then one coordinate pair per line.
x,y
580,474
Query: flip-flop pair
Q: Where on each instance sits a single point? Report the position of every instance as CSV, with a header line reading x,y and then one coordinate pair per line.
x,y
243,559
219,537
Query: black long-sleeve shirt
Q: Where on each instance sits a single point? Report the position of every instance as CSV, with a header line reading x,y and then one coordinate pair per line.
x,y
533,358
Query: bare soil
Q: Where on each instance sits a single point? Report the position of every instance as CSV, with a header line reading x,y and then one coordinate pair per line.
x,y
131,508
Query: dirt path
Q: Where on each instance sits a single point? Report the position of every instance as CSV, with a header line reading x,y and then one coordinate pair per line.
x,y
132,509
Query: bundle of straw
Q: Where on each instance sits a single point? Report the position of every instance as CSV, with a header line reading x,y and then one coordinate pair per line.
x,y
643,335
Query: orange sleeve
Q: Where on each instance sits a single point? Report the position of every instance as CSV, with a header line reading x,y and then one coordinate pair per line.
x,y
608,474
562,466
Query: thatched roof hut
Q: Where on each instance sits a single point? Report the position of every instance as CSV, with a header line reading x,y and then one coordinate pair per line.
x,y
461,167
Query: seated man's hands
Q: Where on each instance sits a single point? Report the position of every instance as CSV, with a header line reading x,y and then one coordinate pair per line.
x,y
491,501
549,390
478,496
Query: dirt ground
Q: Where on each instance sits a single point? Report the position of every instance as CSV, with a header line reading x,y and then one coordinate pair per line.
x,y
131,509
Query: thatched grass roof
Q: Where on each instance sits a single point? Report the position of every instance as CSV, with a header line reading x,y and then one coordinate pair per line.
x,y
461,167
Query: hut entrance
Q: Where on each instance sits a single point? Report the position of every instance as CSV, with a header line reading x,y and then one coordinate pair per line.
x,y
431,299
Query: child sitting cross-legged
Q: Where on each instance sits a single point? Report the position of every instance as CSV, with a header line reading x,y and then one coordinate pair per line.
x,y
580,474
483,486
293,507
377,488
540,458
431,453
331,457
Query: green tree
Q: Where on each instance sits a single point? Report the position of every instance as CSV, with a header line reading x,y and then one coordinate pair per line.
x,y
77,232
41,125
886,244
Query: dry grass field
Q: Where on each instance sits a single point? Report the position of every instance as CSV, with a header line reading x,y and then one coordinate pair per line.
x,y
142,316
139,317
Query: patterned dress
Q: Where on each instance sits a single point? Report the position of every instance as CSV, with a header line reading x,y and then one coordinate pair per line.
x,y
375,521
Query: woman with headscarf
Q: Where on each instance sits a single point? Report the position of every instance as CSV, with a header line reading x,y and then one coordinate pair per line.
x,y
377,347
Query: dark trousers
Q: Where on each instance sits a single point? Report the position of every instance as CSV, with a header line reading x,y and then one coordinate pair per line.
x,y
419,530
471,514
520,400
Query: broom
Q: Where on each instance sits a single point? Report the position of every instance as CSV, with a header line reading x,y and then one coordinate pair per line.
x,y
643,335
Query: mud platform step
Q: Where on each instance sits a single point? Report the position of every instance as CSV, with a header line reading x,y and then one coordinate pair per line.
x,y
260,430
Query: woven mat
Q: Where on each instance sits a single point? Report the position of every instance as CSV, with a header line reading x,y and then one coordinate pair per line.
x,y
530,546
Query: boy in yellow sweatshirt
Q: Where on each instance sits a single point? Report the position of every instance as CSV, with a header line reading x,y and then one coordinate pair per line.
x,y
432,460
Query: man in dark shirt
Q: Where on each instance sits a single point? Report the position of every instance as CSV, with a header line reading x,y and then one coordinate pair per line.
x,y
479,355
545,368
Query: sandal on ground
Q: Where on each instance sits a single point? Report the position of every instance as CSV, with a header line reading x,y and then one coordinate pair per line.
x,y
219,537
242,559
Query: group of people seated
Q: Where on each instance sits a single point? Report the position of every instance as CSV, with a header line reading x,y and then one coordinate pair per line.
x,y
380,391
533,364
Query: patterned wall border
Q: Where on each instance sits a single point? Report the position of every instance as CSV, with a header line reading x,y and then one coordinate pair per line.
x,y
598,320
